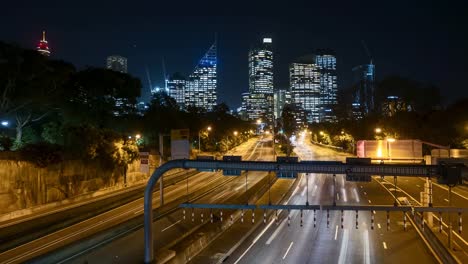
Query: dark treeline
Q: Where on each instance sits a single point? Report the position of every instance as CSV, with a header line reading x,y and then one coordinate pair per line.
x,y
49,105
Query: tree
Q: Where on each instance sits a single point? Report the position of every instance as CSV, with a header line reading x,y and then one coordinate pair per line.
x,y
92,95
30,85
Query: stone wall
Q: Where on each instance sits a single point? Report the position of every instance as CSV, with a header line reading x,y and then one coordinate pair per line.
x,y
22,185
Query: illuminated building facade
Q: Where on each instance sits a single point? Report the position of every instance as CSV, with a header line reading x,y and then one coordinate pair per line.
x,y
281,98
200,90
326,62
363,94
117,63
306,87
176,88
43,46
260,103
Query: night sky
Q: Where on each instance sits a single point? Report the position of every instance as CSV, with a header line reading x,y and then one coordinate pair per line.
x,y
417,39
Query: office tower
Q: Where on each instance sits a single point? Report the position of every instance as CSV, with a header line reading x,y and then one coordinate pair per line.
x,y
394,104
117,63
281,98
43,46
200,90
363,94
244,104
306,87
260,103
326,62
176,88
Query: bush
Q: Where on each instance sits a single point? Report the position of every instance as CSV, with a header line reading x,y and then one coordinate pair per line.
x,y
42,154
6,143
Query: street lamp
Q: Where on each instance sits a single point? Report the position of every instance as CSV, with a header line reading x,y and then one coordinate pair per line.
x,y
321,133
235,133
137,136
378,130
5,123
208,129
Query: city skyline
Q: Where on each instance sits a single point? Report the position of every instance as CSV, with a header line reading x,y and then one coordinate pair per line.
x,y
399,48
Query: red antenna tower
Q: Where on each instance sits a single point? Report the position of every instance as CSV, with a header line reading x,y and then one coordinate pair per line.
x,y
43,46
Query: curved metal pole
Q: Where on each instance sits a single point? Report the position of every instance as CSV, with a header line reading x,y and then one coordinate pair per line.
x,y
148,205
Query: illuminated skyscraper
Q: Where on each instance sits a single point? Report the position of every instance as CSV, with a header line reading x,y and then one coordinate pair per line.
x,y
260,103
326,62
201,85
43,46
364,80
281,98
117,63
176,88
306,89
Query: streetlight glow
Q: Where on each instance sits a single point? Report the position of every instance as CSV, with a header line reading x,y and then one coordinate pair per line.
x,y
259,121
208,128
137,136
378,130
390,139
321,133
235,133
5,123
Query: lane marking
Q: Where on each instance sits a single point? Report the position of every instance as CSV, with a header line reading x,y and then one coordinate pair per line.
x,y
254,241
378,225
370,201
384,245
304,191
357,196
273,236
366,247
344,194
446,200
365,193
336,232
344,247
170,226
287,251
338,196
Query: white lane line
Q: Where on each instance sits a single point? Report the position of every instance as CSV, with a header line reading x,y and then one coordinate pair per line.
x,y
345,199
357,196
273,236
303,191
342,181
384,245
366,247
336,232
378,225
446,200
365,193
344,247
254,241
287,251
338,196
170,226
417,185
370,201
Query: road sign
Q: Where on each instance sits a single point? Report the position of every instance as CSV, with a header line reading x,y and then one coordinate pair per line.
x,y
144,162
180,146
229,172
350,176
286,174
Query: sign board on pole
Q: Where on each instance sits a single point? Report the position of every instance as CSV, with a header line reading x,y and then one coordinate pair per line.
x,y
180,146
144,162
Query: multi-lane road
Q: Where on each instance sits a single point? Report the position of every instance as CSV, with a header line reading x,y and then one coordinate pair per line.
x,y
282,240
332,243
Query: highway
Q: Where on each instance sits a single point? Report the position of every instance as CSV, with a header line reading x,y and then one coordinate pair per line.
x,y
202,184
280,243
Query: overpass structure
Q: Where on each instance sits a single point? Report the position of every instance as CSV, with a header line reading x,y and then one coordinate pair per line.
x,y
355,169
